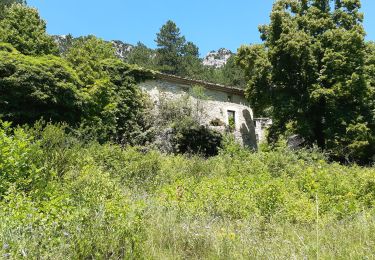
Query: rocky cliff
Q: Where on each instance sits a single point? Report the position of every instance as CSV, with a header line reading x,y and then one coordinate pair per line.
x,y
122,49
217,59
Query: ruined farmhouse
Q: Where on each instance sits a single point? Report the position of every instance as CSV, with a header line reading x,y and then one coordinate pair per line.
x,y
223,106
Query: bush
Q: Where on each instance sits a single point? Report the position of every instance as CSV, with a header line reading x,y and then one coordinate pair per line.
x,y
177,127
196,139
107,106
19,168
63,197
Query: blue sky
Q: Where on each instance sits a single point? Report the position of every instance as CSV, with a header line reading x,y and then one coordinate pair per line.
x,y
210,24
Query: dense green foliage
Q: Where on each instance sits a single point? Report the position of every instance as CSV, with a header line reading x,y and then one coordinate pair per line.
x,y
311,71
100,96
196,139
370,74
36,87
171,47
62,198
111,98
88,88
85,55
6,3
68,190
142,56
22,27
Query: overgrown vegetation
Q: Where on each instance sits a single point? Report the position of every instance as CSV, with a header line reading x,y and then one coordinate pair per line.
x,y
22,27
176,126
312,72
88,88
112,177
63,198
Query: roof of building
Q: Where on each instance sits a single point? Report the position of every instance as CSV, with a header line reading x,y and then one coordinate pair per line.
x,y
191,82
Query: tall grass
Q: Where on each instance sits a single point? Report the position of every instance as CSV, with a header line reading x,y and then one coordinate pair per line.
x,y
73,199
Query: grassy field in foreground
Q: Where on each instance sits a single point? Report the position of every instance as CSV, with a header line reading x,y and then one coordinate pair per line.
x,y
61,198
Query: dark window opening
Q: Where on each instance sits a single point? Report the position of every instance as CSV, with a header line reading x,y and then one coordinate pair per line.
x,y
232,119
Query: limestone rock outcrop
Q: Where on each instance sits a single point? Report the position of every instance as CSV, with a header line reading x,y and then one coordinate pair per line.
x,y
217,59
122,49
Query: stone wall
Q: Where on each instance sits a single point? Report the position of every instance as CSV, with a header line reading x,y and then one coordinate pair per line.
x,y
261,126
216,105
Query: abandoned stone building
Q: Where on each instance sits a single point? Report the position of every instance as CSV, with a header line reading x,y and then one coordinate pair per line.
x,y
222,106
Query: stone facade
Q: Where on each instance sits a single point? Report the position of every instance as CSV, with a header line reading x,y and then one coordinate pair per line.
x,y
218,105
261,126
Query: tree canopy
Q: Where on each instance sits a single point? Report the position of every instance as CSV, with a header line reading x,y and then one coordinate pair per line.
x,y
113,103
32,88
174,54
170,47
311,71
22,27
85,55
6,3
142,56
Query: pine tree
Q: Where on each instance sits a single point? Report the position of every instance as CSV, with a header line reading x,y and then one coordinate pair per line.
x,y
170,47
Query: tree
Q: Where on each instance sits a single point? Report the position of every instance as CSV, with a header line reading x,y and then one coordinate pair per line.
x,y
26,31
32,88
233,74
112,101
311,71
85,55
370,78
6,3
257,69
370,72
190,50
128,101
170,47
190,65
142,56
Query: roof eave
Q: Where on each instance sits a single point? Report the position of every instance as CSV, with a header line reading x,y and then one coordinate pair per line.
x,y
191,82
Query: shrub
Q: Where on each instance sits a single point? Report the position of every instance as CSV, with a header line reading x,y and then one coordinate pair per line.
x,y
69,198
196,139
178,129
19,169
